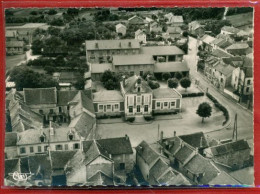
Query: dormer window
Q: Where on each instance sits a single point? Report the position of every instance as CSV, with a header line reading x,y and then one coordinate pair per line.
x,y
138,89
42,138
70,136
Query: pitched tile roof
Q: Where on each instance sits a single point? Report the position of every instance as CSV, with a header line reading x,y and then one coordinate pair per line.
x,y
158,169
230,147
224,179
230,29
100,68
37,96
136,19
237,46
60,158
221,54
115,146
171,67
130,85
10,139
100,179
177,180
184,153
196,140
162,50
120,25
132,59
207,39
63,97
138,32
165,93
83,124
176,19
174,30
14,43
200,165
225,69
112,44
147,153
108,95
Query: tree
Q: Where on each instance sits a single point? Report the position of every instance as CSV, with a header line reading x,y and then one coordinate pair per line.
x,y
54,31
52,12
178,75
73,11
185,82
34,13
153,84
173,83
166,75
49,69
80,83
185,34
110,80
57,22
204,110
37,46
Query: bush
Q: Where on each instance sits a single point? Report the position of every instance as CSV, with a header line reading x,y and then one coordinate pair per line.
x,y
153,84
220,107
193,94
148,118
166,75
130,119
173,83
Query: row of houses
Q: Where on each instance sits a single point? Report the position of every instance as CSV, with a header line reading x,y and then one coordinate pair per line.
x,y
129,56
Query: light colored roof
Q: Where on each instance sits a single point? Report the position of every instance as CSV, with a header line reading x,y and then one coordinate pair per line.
x,y
165,93
132,59
100,68
108,95
225,69
221,54
32,136
162,50
138,32
149,19
174,30
224,179
207,39
131,85
230,29
112,44
171,67
176,19
120,25
29,25
238,46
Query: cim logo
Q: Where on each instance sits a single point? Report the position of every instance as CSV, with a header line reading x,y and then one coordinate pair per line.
x,y
20,176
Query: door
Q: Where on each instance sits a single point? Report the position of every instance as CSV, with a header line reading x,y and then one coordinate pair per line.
x,y
138,108
105,108
141,73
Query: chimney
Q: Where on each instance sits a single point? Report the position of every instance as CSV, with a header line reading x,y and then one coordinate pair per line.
x,y
201,141
51,129
126,137
129,44
110,156
196,151
96,45
174,133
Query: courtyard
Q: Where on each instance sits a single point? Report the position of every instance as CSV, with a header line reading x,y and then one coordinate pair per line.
x,y
189,122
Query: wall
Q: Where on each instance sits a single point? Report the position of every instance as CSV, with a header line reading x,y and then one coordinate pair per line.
x,y
143,166
79,176
235,78
11,152
169,107
128,159
134,69
105,111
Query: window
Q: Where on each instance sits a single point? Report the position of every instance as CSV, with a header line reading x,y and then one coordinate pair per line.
x,y
58,147
116,106
108,106
100,107
247,89
130,109
42,138
158,104
66,147
248,82
122,166
138,99
45,148
146,108
172,103
31,150
60,110
22,150
76,146
70,136
165,103
138,89
39,148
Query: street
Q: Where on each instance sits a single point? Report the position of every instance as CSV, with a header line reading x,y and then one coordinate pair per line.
x,y
245,117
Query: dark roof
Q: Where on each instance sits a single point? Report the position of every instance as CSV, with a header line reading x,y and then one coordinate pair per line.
x,y
171,67
112,44
132,59
37,96
114,146
130,85
40,166
11,165
14,43
146,152
60,158
63,97
83,124
248,71
87,102
166,93
10,139
184,153
230,147
162,50
158,169
198,164
196,140
221,54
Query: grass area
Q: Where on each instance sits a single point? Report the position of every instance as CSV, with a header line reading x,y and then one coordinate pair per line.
x,y
241,19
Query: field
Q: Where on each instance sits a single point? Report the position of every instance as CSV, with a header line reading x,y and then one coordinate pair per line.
x,y
240,20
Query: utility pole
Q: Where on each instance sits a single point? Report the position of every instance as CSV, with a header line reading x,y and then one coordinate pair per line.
x,y
234,138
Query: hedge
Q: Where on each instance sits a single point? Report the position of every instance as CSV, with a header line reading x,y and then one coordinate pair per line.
x,y
130,119
193,94
220,107
148,118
